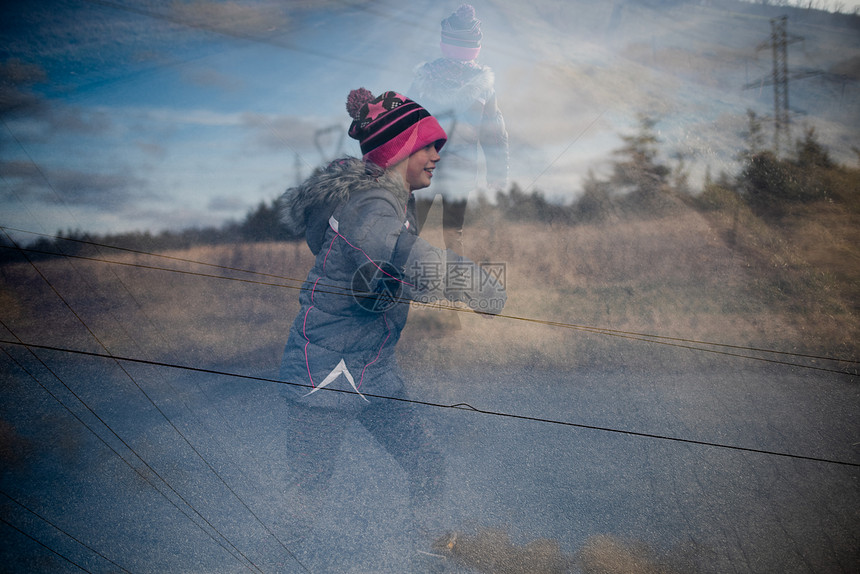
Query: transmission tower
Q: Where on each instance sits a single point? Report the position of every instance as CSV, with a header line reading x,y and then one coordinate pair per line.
x,y
778,43
779,47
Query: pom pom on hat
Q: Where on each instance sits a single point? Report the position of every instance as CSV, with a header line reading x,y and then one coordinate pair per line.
x,y
461,34
391,127
462,17
355,100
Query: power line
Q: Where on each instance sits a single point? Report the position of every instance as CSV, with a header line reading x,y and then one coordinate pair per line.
x,y
223,539
458,406
164,415
58,529
228,31
42,544
565,150
137,252
597,330
80,320
645,337
678,342
675,342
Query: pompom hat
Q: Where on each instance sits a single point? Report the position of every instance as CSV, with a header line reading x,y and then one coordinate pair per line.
x,y
391,127
461,34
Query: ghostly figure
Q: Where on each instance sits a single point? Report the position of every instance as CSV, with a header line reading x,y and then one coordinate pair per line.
x,y
456,85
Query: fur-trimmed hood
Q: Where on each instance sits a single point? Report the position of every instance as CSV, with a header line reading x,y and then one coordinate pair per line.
x,y
446,83
306,209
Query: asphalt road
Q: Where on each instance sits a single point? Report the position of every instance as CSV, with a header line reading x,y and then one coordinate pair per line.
x,y
191,476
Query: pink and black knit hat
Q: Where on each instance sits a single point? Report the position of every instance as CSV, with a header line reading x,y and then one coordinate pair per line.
x,y
461,34
391,127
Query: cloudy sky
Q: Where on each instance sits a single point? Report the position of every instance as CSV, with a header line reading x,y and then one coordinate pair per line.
x,y
122,115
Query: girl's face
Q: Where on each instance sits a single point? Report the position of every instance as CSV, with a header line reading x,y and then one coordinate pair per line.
x,y
419,167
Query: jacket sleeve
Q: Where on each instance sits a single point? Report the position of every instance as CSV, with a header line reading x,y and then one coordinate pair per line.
x,y
433,274
377,233
370,225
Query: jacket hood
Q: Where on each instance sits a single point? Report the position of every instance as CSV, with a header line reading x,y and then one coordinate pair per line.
x,y
306,209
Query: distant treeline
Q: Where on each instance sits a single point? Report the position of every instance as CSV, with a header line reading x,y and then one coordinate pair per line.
x,y
640,184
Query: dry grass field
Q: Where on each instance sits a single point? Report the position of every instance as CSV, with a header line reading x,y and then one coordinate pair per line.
x,y
723,277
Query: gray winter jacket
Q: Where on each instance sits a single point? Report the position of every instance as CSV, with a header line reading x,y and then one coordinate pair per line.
x,y
370,264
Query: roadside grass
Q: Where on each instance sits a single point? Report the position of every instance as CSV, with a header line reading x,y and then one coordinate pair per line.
x,y
691,276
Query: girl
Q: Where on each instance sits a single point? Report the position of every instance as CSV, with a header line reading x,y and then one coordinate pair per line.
x,y
370,263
